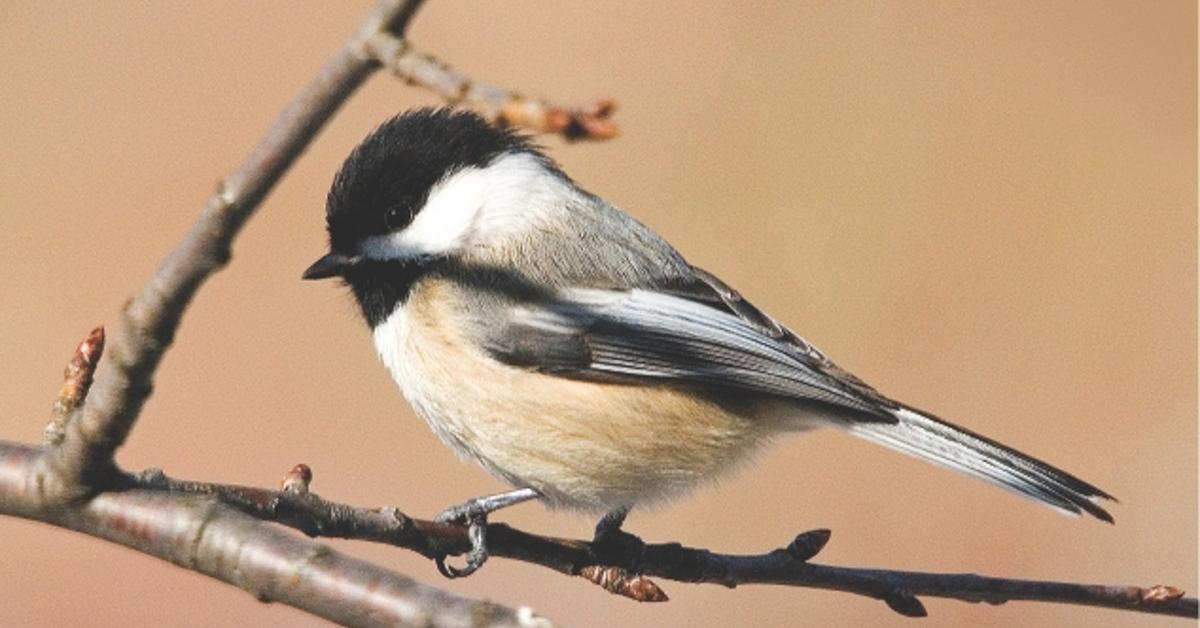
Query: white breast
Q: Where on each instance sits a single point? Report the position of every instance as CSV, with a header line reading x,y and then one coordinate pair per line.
x,y
405,356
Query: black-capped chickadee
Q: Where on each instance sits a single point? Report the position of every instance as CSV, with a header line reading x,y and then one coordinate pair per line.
x,y
572,352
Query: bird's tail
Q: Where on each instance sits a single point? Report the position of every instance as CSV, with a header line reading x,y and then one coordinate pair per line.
x,y
927,437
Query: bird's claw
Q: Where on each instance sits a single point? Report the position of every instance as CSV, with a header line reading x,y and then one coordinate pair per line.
x,y
474,515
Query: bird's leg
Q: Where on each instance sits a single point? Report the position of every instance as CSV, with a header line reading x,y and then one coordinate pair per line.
x,y
473,513
612,544
610,524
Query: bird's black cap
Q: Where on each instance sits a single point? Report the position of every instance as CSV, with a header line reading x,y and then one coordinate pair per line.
x,y
387,178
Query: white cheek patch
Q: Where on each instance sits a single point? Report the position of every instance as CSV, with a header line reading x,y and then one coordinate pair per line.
x,y
442,225
470,205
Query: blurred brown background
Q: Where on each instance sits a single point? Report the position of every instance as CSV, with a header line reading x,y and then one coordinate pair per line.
x,y
987,210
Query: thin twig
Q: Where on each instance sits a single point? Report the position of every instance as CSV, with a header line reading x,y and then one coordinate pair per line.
x,y
504,106
307,512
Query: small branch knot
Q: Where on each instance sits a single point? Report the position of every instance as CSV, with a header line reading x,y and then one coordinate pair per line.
x,y
151,476
77,379
905,603
808,544
618,581
297,480
1160,594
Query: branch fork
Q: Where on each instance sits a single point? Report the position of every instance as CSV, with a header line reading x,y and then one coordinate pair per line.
x,y
227,532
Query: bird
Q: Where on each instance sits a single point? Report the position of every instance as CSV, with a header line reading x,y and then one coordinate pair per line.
x,y
572,352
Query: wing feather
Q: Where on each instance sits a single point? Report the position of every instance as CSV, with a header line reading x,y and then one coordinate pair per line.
x,y
643,335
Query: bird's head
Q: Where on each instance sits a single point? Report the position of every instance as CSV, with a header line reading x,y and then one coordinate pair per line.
x,y
428,184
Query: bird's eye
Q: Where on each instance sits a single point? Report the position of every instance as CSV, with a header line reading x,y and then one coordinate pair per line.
x,y
394,218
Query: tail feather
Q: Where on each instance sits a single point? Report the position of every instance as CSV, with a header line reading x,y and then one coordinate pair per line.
x,y
927,437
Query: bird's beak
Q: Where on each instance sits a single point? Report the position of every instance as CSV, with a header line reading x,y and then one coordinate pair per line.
x,y
331,265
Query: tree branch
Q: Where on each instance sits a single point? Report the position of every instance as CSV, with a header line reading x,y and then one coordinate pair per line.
x,y
203,534
150,319
73,481
503,106
300,509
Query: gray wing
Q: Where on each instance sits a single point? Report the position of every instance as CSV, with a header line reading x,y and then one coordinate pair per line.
x,y
711,290
674,338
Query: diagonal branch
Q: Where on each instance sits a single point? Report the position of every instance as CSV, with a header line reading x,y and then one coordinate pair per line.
x,y
150,319
501,105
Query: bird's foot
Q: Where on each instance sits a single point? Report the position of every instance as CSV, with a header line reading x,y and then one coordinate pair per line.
x,y
612,545
473,513
477,556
